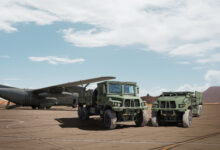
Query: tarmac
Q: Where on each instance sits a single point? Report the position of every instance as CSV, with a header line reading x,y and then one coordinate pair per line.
x,y
56,129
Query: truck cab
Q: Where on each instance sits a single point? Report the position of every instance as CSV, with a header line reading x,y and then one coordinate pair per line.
x,y
114,98
176,107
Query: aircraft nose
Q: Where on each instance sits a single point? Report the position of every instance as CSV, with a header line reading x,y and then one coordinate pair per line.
x,y
16,96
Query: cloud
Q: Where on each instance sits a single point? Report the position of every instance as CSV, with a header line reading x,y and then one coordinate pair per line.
x,y
215,58
56,60
11,79
195,49
189,87
92,86
155,91
183,62
178,28
213,77
5,56
23,11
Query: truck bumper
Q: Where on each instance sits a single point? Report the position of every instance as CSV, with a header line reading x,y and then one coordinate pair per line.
x,y
166,115
127,109
164,110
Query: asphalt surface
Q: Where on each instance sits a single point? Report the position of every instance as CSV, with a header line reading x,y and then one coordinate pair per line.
x,y
59,128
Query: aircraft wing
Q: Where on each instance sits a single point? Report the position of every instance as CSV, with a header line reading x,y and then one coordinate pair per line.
x,y
70,86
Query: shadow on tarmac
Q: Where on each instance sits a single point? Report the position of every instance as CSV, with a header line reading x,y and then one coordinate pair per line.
x,y
29,108
95,124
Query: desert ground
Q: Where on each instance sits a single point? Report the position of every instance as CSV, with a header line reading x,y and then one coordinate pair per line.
x,y
24,129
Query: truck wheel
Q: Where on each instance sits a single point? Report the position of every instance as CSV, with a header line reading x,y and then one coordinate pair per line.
x,y
154,119
48,107
187,118
41,107
199,113
110,119
85,113
141,119
80,112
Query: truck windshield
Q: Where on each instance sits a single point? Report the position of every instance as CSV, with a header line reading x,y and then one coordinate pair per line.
x,y
115,88
129,89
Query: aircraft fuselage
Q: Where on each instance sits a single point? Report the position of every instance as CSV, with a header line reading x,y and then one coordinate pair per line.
x,y
25,97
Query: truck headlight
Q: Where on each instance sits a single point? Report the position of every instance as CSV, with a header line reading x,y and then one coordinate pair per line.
x,y
155,106
116,104
182,105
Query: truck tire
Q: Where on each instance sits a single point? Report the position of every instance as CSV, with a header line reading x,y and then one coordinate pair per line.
x,y
154,119
80,108
48,107
74,105
199,113
187,118
110,119
41,107
85,113
141,119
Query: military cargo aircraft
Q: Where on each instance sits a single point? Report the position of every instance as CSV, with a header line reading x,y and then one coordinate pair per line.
x,y
63,94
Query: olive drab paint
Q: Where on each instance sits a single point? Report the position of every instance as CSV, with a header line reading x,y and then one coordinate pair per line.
x,y
114,101
177,107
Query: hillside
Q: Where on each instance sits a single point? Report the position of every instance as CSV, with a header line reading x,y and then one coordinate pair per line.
x,y
212,95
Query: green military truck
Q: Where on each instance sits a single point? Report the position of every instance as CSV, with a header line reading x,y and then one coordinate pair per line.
x,y
177,107
115,102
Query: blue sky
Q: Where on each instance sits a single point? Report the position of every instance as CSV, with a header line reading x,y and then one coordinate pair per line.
x,y
40,45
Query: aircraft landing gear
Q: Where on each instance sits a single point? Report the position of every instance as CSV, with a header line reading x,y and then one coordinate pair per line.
x,y
7,106
34,107
10,107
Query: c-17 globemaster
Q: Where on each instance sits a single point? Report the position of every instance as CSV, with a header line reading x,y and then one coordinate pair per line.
x,y
63,94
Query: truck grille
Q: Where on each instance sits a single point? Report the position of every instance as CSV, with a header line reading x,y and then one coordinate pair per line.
x,y
167,104
132,103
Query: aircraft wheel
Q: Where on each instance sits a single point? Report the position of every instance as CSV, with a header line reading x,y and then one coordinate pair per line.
x,y
187,118
154,119
141,119
110,119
